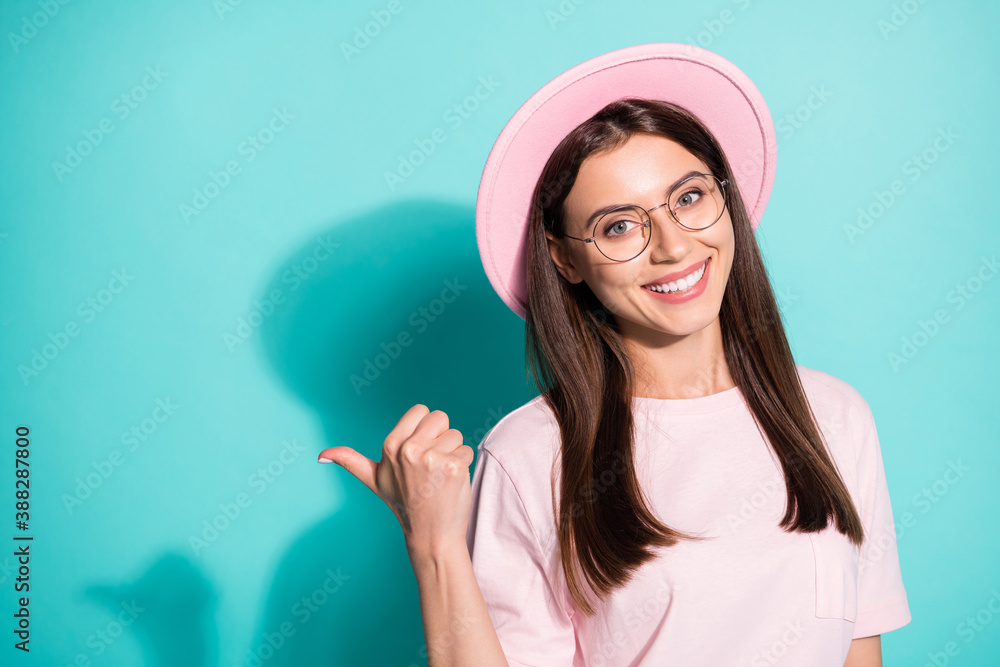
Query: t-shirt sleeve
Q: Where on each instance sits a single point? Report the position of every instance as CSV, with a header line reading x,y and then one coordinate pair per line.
x,y
882,603
509,565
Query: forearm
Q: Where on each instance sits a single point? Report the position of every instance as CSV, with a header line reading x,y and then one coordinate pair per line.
x,y
865,652
457,625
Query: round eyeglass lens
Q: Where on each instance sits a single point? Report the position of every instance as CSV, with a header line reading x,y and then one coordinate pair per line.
x,y
622,234
697,202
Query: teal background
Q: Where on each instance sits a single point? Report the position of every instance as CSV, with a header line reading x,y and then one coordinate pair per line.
x,y
850,303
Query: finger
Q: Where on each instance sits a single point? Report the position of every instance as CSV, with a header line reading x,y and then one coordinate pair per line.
x,y
460,457
431,427
449,441
466,455
423,438
357,464
403,429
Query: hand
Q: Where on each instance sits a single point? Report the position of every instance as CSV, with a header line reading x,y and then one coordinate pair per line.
x,y
423,477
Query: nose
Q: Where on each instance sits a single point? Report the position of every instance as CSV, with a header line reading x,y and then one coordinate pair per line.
x,y
669,243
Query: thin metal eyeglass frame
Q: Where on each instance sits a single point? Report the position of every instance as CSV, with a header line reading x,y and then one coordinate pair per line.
x,y
649,218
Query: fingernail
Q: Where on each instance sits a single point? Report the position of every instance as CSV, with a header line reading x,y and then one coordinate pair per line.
x,y
326,460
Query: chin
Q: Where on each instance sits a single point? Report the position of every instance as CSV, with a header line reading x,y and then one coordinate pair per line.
x,y
693,321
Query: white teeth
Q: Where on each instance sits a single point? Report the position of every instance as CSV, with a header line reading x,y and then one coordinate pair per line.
x,y
679,285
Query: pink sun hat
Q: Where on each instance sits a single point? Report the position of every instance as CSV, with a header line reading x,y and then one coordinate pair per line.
x,y
703,82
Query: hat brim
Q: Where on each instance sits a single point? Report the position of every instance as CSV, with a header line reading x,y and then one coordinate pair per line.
x,y
703,82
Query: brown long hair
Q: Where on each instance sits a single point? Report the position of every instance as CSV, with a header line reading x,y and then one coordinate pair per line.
x,y
609,535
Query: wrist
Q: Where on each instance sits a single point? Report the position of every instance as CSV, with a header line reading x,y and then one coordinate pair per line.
x,y
435,554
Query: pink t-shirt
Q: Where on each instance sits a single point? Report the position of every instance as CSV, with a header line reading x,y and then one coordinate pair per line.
x,y
754,595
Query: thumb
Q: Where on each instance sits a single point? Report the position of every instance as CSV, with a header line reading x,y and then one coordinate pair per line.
x,y
354,462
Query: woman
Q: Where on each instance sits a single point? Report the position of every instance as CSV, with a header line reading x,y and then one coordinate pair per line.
x,y
680,491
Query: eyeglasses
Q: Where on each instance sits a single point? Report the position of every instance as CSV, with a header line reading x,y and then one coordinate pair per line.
x,y
623,233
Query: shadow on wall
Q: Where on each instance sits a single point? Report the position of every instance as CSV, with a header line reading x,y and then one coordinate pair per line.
x,y
387,309
399,313
170,609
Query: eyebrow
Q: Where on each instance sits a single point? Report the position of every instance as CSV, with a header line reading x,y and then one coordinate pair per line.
x,y
611,207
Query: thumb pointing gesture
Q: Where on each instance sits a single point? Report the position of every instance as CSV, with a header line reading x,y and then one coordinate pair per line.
x,y
354,462
423,477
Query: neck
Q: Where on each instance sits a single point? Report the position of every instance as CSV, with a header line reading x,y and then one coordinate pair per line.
x,y
688,366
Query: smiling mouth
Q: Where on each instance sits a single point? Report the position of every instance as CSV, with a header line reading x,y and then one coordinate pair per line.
x,y
681,284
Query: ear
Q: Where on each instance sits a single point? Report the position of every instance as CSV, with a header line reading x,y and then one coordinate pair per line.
x,y
561,258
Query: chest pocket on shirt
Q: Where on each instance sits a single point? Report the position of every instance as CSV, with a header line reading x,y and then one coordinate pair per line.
x,y
836,559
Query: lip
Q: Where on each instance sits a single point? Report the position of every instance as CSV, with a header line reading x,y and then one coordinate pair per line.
x,y
670,277
683,297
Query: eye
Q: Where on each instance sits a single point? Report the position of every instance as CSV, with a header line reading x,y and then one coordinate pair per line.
x,y
619,227
689,198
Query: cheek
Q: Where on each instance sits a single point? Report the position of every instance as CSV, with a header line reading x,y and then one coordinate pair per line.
x,y
724,244
611,276
612,285
725,266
